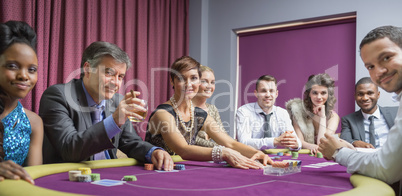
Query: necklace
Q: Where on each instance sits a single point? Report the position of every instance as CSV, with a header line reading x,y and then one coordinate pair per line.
x,y
175,107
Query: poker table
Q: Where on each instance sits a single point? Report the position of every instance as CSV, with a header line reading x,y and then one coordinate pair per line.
x,y
317,177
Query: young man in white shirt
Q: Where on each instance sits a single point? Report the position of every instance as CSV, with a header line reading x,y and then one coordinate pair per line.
x,y
263,125
381,52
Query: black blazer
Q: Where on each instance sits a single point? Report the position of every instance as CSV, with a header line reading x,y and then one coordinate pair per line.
x,y
69,133
353,124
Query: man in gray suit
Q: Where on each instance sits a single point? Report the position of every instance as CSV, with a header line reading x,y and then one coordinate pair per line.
x,y
85,119
355,126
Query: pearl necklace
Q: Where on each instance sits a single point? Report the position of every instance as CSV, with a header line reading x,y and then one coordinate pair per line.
x,y
175,107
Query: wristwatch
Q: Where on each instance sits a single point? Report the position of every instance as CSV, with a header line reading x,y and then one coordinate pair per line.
x,y
336,152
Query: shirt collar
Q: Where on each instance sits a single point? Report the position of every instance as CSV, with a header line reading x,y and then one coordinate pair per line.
x,y
376,113
91,101
396,97
258,109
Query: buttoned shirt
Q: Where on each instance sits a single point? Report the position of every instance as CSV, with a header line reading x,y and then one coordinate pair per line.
x,y
381,128
250,130
384,164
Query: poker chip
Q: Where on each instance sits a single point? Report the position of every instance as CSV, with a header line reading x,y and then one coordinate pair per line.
x,y
280,154
179,167
319,155
295,155
130,178
276,158
72,175
85,170
148,166
287,154
84,178
95,177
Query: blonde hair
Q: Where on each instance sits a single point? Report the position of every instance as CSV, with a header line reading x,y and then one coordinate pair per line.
x,y
206,68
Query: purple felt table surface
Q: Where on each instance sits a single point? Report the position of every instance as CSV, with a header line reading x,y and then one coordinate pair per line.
x,y
204,178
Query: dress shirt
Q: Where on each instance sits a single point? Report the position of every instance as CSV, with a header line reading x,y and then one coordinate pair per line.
x,y
110,125
384,164
380,128
250,130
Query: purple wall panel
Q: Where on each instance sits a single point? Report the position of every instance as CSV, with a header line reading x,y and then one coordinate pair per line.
x,y
293,55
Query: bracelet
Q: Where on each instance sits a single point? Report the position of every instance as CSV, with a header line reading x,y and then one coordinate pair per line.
x,y
217,153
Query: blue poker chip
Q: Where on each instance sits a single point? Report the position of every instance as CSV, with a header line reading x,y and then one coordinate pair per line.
x,y
179,167
280,154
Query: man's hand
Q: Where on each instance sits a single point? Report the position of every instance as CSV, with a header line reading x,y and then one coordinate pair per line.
x,y
286,140
11,170
127,107
329,144
162,158
361,144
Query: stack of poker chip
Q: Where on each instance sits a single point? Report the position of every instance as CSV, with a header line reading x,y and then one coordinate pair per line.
x,y
280,164
295,155
72,175
148,166
179,167
95,177
280,154
130,178
319,155
84,178
85,170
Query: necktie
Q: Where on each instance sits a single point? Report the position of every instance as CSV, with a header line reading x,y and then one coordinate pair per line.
x,y
267,131
371,130
97,117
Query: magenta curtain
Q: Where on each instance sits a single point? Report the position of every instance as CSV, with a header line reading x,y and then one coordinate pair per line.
x,y
153,33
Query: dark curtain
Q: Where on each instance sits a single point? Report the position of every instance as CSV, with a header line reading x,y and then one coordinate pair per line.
x,y
153,33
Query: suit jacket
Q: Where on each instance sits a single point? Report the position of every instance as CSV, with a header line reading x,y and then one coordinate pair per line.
x,y
353,124
69,133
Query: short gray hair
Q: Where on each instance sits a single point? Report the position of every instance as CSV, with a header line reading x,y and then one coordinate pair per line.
x,y
94,53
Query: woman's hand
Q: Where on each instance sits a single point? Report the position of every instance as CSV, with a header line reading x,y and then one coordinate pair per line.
x,y
262,157
319,111
11,170
235,159
314,149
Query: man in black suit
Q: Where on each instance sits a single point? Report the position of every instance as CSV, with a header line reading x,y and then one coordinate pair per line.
x,y
86,119
355,126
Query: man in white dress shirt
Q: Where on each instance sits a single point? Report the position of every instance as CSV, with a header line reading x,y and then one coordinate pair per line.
x,y
263,125
381,52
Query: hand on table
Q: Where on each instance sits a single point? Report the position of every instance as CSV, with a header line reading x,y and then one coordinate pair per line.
x,y
314,149
235,159
11,170
262,157
361,144
162,158
286,140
